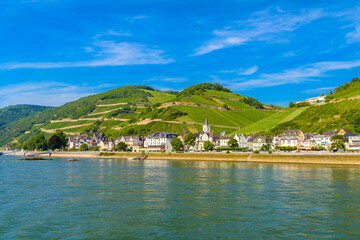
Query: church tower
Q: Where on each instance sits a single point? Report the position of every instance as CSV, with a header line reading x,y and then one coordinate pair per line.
x,y
206,127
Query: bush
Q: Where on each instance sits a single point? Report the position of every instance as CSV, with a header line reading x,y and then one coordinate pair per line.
x,y
256,152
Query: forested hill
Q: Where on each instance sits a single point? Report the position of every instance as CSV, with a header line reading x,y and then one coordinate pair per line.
x,y
16,112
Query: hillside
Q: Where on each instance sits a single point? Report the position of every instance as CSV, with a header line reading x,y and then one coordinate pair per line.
x,y
16,112
345,91
225,110
112,108
141,109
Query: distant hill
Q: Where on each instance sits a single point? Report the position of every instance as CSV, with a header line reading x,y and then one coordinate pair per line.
x,y
142,109
16,112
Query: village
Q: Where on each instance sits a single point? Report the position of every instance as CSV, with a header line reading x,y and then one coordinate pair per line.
x,y
289,140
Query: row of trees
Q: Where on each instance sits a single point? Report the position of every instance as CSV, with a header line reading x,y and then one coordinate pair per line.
x,y
58,140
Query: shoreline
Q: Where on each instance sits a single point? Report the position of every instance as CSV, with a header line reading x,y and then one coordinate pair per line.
x,y
298,158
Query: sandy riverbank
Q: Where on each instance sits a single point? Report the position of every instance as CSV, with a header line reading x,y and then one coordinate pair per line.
x,y
306,158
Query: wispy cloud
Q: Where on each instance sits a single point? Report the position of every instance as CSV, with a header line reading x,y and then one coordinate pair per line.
x,y
262,26
105,53
319,90
305,73
353,16
167,79
45,93
242,71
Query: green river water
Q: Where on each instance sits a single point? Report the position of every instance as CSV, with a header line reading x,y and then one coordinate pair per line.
x,y
117,199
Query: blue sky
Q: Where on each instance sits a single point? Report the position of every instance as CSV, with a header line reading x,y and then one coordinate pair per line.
x,y
55,51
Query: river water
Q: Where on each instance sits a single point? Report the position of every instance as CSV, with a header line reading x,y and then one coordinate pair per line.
x,y
117,199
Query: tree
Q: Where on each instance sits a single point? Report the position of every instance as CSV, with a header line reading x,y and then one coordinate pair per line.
x,y
62,136
55,142
189,139
233,143
291,105
208,146
84,147
40,142
265,147
338,142
97,148
122,146
177,144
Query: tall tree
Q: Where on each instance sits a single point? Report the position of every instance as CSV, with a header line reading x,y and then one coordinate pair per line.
x,y
189,139
84,147
338,142
233,143
122,146
208,146
176,144
62,136
40,142
55,142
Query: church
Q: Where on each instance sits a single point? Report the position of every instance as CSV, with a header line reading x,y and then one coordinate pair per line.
x,y
206,135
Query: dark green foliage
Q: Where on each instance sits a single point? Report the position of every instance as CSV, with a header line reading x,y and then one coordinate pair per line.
x,y
177,144
208,146
84,147
14,113
122,146
54,142
169,92
300,104
199,89
265,147
253,102
233,143
96,148
256,151
40,142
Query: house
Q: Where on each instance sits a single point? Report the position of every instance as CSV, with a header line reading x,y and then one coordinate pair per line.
x,y
134,143
77,141
354,143
292,138
308,142
250,141
7,147
222,141
260,141
316,100
323,140
97,138
242,140
206,135
159,141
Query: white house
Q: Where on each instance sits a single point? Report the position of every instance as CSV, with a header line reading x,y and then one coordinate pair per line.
x,y
242,140
354,143
316,100
159,141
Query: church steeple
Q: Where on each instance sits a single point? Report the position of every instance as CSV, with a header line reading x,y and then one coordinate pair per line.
x,y
206,127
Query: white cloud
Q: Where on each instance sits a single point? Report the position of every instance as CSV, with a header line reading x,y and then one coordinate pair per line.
x,y
261,26
44,93
305,73
241,71
167,79
106,53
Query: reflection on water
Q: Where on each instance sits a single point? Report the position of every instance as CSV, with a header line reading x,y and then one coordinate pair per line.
x,y
110,199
